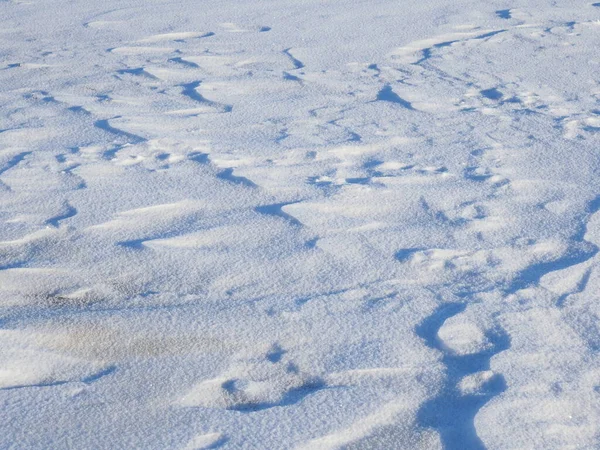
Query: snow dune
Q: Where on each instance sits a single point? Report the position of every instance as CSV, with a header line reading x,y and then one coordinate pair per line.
x,y
299,224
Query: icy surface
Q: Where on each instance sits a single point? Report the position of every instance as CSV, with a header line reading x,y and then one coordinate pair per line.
x,y
299,224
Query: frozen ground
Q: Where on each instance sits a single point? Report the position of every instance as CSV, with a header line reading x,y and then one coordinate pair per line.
x,y
299,224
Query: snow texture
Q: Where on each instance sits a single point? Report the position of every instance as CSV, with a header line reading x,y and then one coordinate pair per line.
x,y
299,224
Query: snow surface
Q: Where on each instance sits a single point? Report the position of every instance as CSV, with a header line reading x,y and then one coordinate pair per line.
x,y
299,224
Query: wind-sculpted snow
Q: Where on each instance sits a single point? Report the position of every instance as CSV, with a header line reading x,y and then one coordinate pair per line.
x,y
303,225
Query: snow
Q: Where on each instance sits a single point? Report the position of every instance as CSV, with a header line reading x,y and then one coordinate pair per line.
x,y
299,224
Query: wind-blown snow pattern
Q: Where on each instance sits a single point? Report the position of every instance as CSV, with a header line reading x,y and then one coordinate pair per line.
x,y
307,224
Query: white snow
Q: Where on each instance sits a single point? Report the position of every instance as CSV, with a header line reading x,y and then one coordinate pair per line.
x,y
299,224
